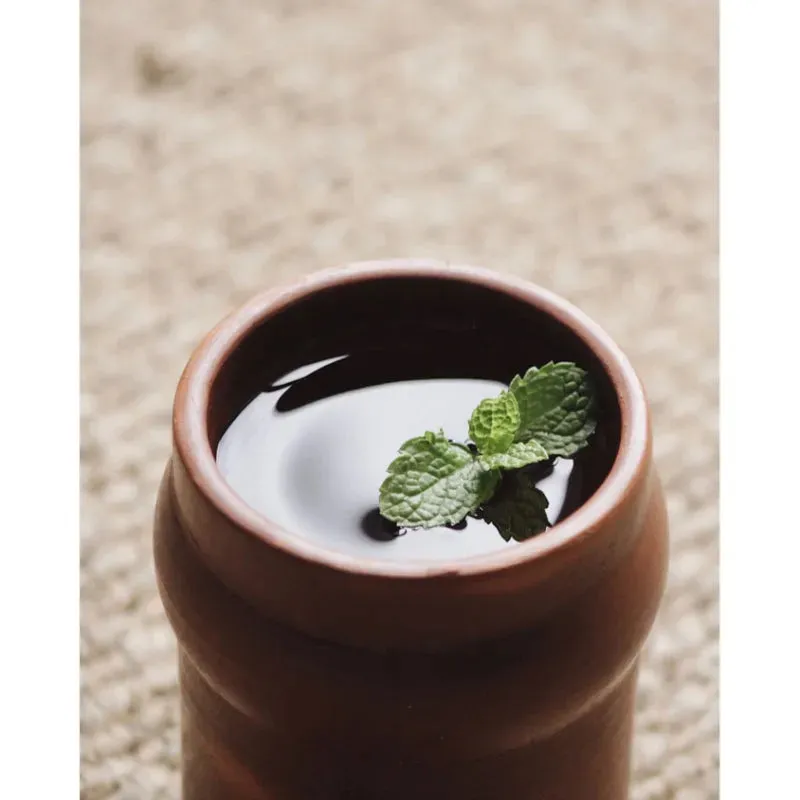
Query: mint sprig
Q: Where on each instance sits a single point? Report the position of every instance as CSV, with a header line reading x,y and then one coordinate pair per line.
x,y
434,481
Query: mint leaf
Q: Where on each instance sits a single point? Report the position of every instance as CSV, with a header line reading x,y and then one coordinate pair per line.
x,y
434,482
555,404
519,455
518,509
494,423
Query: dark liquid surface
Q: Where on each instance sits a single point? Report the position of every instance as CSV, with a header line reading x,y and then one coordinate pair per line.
x,y
310,454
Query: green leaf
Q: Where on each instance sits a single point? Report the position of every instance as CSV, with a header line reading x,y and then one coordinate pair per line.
x,y
434,482
519,455
555,404
494,423
518,509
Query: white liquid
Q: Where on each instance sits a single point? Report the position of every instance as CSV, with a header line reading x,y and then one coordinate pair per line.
x,y
316,471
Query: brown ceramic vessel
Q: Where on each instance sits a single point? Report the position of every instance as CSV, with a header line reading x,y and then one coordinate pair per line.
x,y
308,674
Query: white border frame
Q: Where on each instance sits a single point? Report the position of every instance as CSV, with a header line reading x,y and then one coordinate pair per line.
x,y
39,398
760,476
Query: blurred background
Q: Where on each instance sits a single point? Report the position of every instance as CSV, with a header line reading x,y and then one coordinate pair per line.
x,y
229,146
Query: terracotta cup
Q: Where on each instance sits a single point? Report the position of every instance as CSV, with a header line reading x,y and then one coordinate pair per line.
x,y
307,673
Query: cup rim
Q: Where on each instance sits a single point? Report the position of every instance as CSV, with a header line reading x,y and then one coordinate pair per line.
x,y
191,439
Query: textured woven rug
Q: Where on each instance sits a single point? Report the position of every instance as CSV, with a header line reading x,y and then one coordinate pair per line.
x,y
230,146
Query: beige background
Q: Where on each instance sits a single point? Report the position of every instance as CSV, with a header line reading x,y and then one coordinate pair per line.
x,y
231,144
